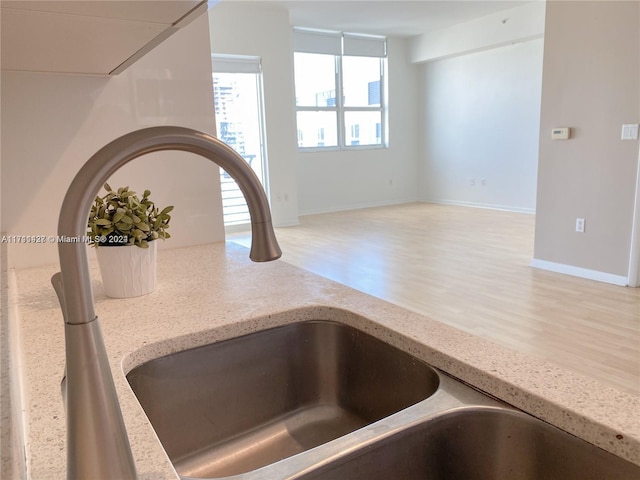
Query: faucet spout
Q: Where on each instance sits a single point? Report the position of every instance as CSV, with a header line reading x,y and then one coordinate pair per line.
x,y
97,442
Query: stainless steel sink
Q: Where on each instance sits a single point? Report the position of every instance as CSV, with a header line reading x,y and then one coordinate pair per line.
x,y
479,443
321,400
238,405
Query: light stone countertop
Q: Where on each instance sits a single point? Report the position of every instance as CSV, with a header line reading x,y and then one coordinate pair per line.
x,y
213,292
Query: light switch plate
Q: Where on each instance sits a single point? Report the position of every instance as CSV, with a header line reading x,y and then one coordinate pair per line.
x,y
630,131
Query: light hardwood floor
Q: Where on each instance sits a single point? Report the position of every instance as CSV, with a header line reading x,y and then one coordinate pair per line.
x,y
469,268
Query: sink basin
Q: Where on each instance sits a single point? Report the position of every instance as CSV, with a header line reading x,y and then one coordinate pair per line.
x,y
479,443
320,400
238,405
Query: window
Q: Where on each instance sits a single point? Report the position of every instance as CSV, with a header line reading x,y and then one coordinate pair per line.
x,y
237,92
340,89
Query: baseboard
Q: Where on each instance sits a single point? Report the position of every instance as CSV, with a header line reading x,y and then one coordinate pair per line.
x,y
358,206
503,208
246,227
488,206
286,224
580,272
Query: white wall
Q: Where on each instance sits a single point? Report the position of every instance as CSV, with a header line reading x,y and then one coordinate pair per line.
x,y
248,28
480,127
51,124
518,24
303,183
341,180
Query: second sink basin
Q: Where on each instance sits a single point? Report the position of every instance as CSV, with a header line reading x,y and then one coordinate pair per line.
x,y
237,405
482,444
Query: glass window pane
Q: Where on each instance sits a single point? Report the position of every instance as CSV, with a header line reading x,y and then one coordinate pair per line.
x,y
315,79
361,81
317,129
239,125
363,128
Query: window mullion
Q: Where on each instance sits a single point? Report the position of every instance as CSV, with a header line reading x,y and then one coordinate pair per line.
x,y
340,102
384,116
317,109
362,109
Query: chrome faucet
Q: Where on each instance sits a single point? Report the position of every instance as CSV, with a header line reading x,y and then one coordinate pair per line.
x,y
97,442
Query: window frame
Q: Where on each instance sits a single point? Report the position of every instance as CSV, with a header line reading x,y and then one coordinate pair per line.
x,y
342,137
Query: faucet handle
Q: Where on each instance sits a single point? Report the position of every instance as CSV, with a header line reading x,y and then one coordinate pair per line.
x,y
56,281
58,286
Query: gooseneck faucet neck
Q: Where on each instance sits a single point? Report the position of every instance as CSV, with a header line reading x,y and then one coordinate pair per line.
x,y
97,443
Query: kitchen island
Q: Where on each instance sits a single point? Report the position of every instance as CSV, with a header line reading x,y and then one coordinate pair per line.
x,y
214,292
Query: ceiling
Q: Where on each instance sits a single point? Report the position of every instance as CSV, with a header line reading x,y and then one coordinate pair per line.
x,y
390,17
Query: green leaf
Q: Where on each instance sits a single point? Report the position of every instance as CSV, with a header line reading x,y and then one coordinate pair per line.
x,y
118,215
125,227
121,212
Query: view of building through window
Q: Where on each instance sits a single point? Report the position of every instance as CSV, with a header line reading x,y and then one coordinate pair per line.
x,y
339,98
238,122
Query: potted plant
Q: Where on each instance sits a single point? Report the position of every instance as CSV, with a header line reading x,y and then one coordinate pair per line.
x,y
123,228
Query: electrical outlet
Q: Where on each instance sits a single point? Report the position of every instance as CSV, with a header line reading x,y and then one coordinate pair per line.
x,y
580,225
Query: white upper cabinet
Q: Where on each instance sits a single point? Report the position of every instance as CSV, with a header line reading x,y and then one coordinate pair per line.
x,y
87,37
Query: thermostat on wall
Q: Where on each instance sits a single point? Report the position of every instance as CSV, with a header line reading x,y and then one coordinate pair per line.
x,y
560,133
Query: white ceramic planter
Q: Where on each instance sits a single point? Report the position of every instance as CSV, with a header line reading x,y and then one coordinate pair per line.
x,y
128,271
